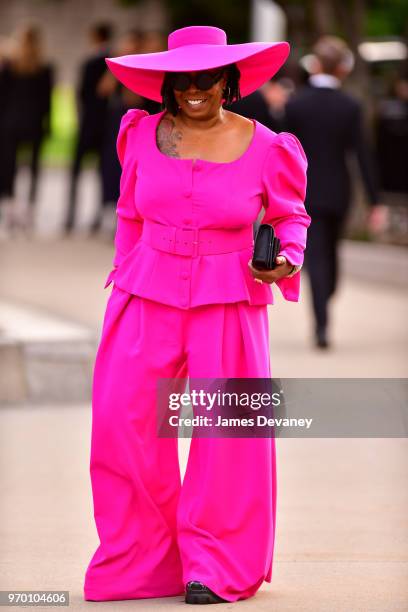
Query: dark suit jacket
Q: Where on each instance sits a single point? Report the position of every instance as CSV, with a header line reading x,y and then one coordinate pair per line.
x,y
92,107
329,124
25,101
254,106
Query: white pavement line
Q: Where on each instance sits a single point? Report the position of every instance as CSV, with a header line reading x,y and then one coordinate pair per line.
x,y
28,324
43,358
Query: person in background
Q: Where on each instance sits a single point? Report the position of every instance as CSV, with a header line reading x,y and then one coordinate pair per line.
x,y
329,124
119,101
392,138
277,93
3,49
266,104
26,81
253,106
153,41
92,110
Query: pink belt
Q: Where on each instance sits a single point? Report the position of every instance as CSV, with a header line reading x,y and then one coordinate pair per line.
x,y
194,241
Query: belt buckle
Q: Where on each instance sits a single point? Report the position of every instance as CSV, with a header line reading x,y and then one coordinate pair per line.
x,y
187,241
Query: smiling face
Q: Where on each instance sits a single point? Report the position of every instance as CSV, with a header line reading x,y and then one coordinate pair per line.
x,y
196,102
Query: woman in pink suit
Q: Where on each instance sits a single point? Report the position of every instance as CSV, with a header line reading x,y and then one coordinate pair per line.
x,y
186,302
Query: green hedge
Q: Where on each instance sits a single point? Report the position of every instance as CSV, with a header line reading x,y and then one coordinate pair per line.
x,y
57,149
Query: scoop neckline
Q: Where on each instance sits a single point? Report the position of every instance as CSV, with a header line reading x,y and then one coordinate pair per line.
x,y
194,160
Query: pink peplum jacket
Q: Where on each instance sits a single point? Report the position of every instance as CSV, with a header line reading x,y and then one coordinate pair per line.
x,y
188,194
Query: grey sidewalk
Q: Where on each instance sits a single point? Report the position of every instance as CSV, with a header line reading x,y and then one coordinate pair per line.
x,y
342,534
342,537
60,281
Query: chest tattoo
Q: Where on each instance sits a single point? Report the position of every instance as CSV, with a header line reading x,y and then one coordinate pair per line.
x,y
168,137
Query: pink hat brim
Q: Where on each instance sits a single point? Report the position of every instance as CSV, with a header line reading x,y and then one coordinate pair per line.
x,y
143,73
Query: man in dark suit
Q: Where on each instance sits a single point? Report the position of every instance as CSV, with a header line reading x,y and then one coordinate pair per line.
x,y
92,110
329,124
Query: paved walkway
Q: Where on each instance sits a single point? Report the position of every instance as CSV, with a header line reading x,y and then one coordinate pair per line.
x,y
65,277
342,534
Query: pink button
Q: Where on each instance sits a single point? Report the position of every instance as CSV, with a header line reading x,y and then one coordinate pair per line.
x,y
185,276
187,221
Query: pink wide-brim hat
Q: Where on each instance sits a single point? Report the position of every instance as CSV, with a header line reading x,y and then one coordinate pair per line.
x,y
198,48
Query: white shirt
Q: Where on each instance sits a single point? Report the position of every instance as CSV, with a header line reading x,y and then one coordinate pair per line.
x,y
324,80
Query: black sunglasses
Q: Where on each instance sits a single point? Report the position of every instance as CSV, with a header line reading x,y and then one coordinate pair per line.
x,y
203,80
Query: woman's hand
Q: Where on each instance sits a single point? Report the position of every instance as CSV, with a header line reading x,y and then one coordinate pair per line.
x,y
283,268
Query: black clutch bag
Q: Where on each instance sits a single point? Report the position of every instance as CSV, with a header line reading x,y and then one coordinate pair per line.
x,y
266,248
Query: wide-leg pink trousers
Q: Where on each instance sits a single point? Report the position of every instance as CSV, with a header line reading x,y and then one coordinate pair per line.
x,y
157,533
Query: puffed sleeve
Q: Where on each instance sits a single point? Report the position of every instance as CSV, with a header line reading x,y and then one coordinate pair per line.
x,y
284,183
129,223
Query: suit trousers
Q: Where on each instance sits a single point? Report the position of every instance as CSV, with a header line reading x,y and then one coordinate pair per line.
x,y
321,263
157,532
9,147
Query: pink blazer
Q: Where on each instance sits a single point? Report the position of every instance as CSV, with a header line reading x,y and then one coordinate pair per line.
x,y
186,193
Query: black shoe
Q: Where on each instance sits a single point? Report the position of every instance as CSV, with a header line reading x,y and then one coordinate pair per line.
x,y
198,593
321,338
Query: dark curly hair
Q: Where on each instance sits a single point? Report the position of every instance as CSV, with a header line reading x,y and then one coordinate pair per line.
x,y
231,92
